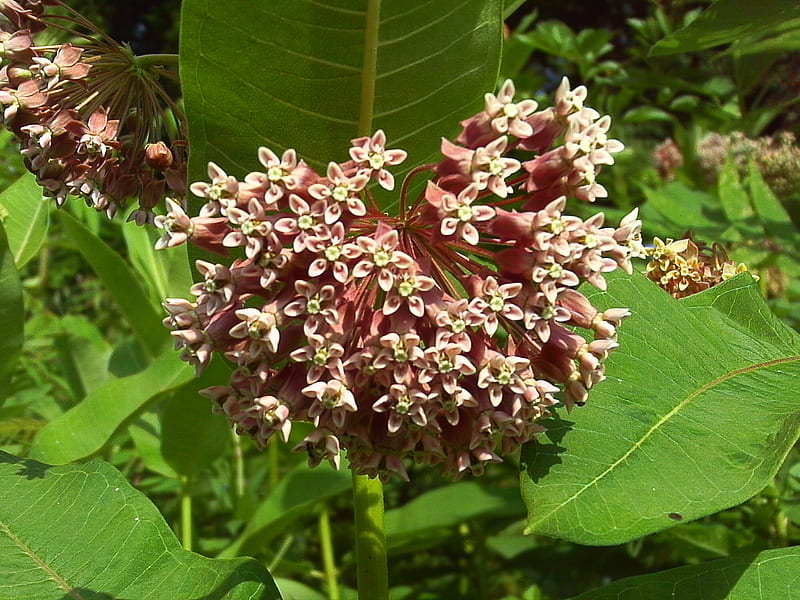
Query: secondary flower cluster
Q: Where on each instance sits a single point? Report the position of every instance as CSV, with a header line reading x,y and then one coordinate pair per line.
x,y
440,335
89,116
685,267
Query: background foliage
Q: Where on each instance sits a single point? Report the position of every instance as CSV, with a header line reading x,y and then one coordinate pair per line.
x,y
704,377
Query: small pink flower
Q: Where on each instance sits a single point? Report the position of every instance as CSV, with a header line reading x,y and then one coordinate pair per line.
x,y
370,154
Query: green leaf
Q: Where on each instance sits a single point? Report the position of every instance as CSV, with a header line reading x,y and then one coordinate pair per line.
x,y
121,282
83,354
776,221
27,217
444,508
87,427
192,436
294,498
764,576
167,271
697,414
676,208
726,21
12,313
146,435
292,74
82,531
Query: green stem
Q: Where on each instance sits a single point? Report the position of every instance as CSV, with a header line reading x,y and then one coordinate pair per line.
x,y
159,60
186,514
369,67
372,567
328,562
274,458
238,468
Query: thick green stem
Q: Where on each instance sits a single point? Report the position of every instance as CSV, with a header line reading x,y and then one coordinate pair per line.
x,y
372,567
186,514
328,561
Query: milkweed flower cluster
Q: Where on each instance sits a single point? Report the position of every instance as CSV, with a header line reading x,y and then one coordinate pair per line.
x,y
440,335
88,115
686,266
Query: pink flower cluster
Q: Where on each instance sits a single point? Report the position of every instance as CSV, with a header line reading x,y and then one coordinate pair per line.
x,y
87,120
437,336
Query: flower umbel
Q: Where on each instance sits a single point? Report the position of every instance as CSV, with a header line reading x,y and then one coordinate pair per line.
x,y
440,335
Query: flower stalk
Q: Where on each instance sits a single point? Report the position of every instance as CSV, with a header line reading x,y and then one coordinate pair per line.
x,y
371,558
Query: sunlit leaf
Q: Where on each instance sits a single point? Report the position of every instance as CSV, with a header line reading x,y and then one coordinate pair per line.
x,y
82,531
88,426
26,217
765,576
697,414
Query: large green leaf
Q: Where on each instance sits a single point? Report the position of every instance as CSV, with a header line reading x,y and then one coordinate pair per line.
x,y
26,219
88,426
82,531
698,412
11,313
295,497
768,575
167,272
298,74
121,282
727,21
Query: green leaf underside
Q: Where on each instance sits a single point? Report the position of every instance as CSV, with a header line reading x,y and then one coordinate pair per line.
x,y
697,414
121,282
82,531
11,312
728,21
768,575
87,427
28,217
287,74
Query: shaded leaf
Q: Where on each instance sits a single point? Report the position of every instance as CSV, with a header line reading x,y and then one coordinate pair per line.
x,y
294,498
121,282
697,414
765,576
291,74
726,21
445,507
82,531
27,217
83,354
145,432
87,427
191,434
11,314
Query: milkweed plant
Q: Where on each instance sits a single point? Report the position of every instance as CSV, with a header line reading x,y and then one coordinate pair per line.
x,y
415,314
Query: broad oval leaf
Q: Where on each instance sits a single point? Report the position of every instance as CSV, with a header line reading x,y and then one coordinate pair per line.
x,y
121,282
85,428
767,575
314,75
11,313
82,531
697,414
27,217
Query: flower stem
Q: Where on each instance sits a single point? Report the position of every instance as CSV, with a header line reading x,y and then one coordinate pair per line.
x,y
372,568
161,60
327,554
186,514
369,67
